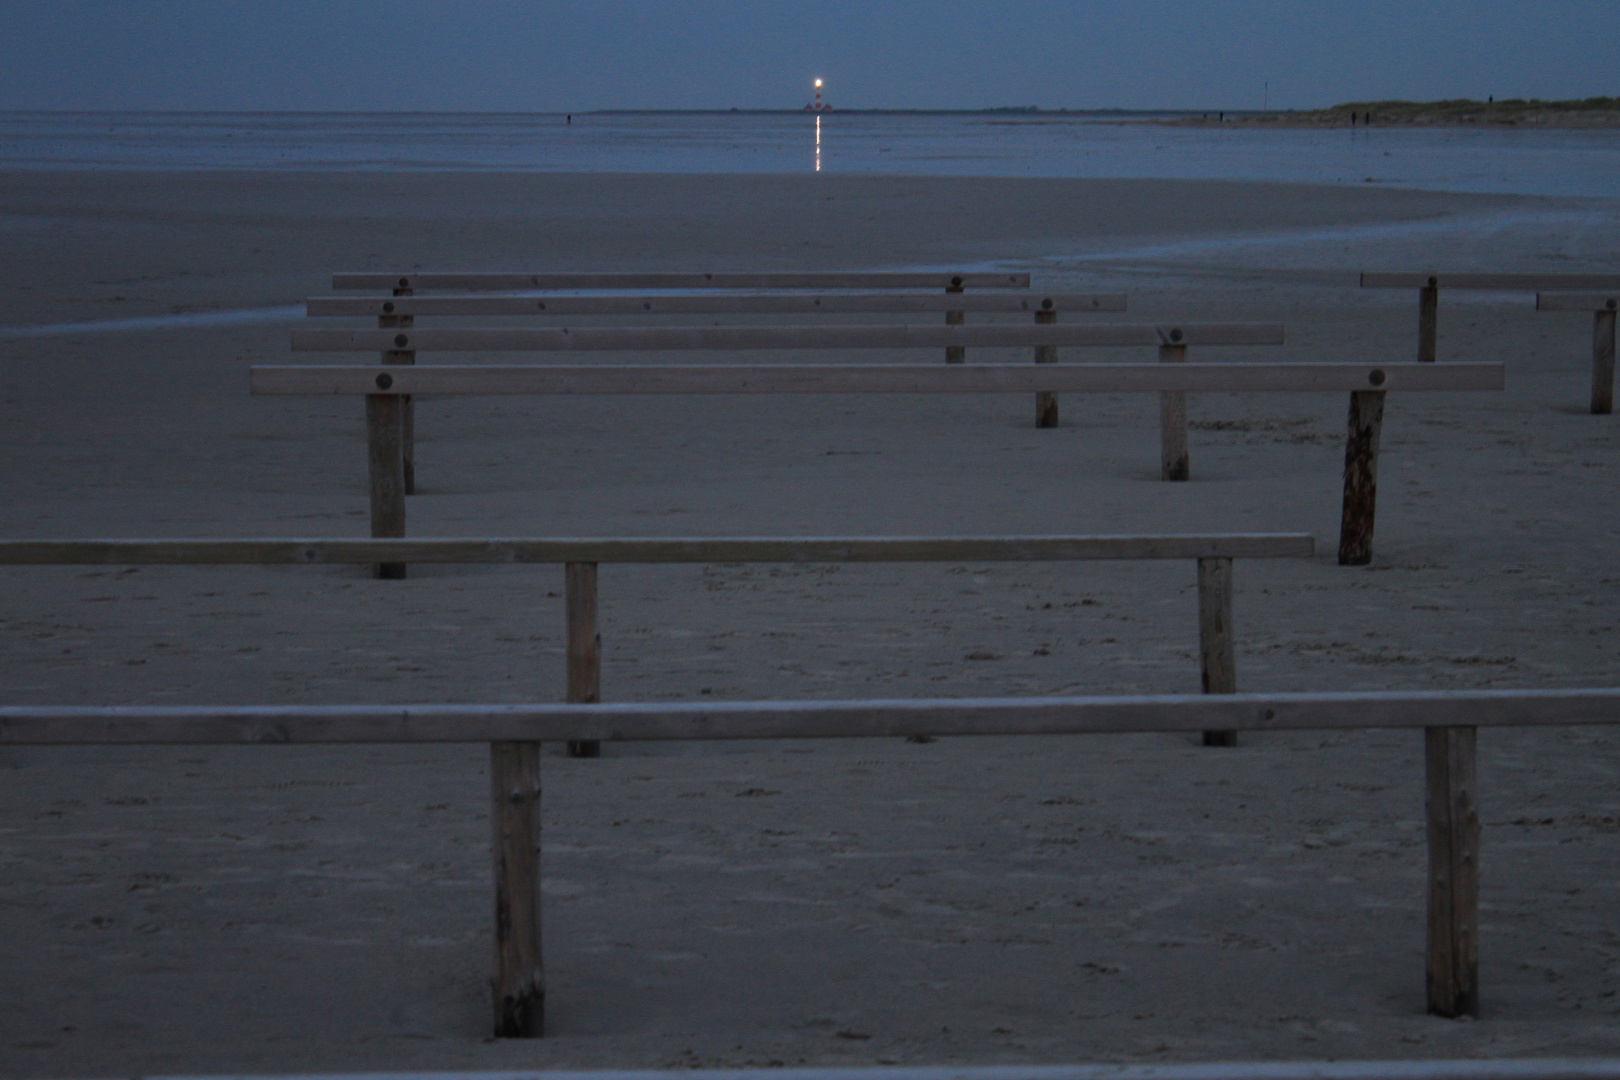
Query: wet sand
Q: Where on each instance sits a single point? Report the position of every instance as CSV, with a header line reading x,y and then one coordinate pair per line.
x,y
848,902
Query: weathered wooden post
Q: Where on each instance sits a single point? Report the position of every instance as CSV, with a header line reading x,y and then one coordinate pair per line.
x,y
1217,660
1428,319
519,982
1603,360
955,354
1046,402
386,467
407,413
584,647
1452,809
1361,474
1173,459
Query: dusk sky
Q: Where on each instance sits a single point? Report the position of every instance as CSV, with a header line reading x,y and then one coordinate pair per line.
x,y
530,55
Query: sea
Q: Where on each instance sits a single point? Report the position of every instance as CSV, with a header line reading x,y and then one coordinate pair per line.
x,y
1578,163
1580,166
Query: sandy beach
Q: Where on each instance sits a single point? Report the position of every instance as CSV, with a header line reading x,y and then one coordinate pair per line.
x,y
853,902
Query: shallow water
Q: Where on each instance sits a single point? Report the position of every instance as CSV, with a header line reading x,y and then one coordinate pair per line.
x,y
1562,163
288,313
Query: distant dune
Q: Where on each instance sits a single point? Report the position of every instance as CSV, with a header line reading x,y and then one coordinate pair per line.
x,y
1596,112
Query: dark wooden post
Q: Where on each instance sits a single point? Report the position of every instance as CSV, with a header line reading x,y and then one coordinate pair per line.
x,y
584,647
1361,476
407,411
1428,320
519,981
1173,461
955,354
1603,361
1046,402
1217,660
1452,809
386,468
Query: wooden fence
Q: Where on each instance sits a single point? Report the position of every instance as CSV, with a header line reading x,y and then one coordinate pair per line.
x,y
1429,285
514,762
400,310
953,283
1602,306
1214,552
399,346
384,386
1172,341
1450,721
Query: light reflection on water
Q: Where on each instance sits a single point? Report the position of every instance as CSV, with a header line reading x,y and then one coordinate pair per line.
x,y
1532,162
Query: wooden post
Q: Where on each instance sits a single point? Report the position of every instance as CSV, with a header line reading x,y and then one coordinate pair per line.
x,y
584,647
1046,402
407,414
1452,809
1603,361
519,982
955,354
1174,464
1216,658
386,468
1428,320
1360,477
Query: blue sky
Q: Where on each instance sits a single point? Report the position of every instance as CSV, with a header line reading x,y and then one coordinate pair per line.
x,y
535,55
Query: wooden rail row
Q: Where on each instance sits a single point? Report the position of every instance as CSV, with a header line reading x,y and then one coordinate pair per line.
x,y
511,282
1464,1069
651,550
716,338
353,379
384,387
664,721
1601,305
713,304
515,763
400,345
1450,721
401,309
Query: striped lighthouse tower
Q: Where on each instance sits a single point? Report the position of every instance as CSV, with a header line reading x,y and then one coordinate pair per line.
x,y
818,105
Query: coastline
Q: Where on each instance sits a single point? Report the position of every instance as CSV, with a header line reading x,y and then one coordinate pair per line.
x,y
1576,115
1529,120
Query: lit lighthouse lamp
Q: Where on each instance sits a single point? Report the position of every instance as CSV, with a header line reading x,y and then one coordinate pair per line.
x,y
818,105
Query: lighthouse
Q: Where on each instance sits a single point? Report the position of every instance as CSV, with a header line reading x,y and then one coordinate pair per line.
x,y
818,105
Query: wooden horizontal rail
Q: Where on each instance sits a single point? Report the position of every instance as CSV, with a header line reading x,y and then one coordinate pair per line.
x,y
1577,301
713,304
869,378
882,718
665,338
940,279
1602,305
1456,1069
1503,282
743,549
